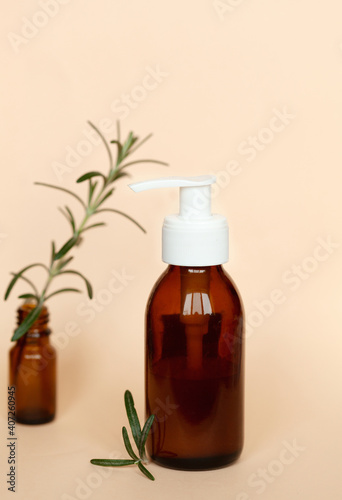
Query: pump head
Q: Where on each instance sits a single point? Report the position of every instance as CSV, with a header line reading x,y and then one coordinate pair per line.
x,y
194,237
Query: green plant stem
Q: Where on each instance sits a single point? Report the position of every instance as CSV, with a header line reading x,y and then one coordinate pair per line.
x,y
53,269
139,437
97,195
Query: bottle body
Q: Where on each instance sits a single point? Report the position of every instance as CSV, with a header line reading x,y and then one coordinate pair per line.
x,y
195,369
33,371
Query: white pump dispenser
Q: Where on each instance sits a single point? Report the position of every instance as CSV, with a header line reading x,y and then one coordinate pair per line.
x,y
194,237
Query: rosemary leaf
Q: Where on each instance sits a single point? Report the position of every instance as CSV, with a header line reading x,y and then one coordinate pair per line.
x,y
62,290
88,285
128,143
89,175
29,296
118,133
92,187
62,189
145,471
105,197
118,462
123,214
27,322
66,247
68,218
139,438
18,275
105,144
29,282
63,263
119,146
144,161
138,144
53,253
96,196
72,219
128,445
144,434
93,225
118,174
133,418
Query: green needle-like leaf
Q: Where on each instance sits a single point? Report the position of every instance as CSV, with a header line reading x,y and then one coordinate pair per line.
x,y
89,175
62,189
123,214
138,144
29,296
27,322
63,263
139,438
88,285
72,220
105,144
62,290
119,146
118,174
145,471
66,247
93,225
128,445
144,161
69,217
66,216
98,194
118,132
133,418
107,195
29,282
144,434
18,275
53,253
104,462
128,143
92,187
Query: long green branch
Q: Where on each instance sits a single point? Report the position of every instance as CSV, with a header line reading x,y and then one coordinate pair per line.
x,y
97,195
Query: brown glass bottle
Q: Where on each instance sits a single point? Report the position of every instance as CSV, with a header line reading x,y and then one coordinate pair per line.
x,y
195,369
33,371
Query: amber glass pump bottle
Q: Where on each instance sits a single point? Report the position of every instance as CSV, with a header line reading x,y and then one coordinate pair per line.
x,y
33,371
194,349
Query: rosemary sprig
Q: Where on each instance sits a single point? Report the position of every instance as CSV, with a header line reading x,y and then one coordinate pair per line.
x,y
139,436
100,189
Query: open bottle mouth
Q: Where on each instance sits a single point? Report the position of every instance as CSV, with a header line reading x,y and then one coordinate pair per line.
x,y
41,322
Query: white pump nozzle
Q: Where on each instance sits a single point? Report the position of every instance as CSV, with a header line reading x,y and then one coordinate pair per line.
x,y
194,196
194,237
175,181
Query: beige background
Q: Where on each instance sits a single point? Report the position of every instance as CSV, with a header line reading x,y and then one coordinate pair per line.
x,y
225,71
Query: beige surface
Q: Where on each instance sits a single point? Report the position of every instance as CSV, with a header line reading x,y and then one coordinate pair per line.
x,y
220,73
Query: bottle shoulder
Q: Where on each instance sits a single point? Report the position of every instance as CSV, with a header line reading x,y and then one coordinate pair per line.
x,y
164,285
213,283
230,283
166,279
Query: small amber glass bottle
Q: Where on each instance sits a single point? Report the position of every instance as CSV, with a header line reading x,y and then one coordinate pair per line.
x,y
195,369
33,371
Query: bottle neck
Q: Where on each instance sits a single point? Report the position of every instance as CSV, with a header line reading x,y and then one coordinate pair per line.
x,y
40,327
195,270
